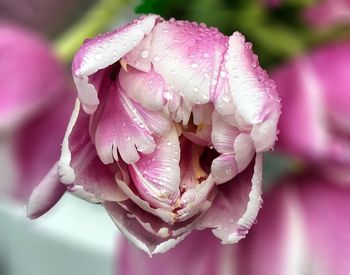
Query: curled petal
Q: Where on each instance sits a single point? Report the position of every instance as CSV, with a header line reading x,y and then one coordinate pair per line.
x,y
243,83
121,129
45,195
188,56
79,165
137,235
104,50
223,134
224,167
157,175
196,200
236,205
146,88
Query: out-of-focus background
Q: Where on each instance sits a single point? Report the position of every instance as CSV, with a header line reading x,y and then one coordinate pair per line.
x,y
38,39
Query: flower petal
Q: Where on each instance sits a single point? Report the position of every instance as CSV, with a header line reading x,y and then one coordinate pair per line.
x,y
146,88
45,195
223,135
243,83
121,129
157,175
224,168
188,56
79,166
137,235
236,205
104,50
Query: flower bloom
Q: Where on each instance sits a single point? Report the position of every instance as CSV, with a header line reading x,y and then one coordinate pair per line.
x,y
35,99
328,13
315,123
174,119
302,229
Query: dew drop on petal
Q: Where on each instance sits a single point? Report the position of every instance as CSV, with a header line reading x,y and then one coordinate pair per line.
x,y
156,58
144,54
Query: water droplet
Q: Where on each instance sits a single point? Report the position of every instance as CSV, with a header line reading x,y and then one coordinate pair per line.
x,y
214,82
168,143
168,168
226,98
144,54
156,58
211,146
223,74
98,56
195,89
168,95
194,65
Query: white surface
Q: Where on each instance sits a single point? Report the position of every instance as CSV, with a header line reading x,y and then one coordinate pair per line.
x,y
74,238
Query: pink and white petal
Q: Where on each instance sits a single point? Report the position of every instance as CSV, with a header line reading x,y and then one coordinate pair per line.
x,y
188,56
80,166
154,224
139,56
236,205
199,254
146,88
244,151
104,50
224,168
45,195
223,135
137,235
121,130
264,134
196,200
165,214
158,122
157,175
179,109
253,93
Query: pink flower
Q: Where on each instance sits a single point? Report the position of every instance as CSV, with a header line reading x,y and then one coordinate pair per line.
x,y
174,122
328,13
315,123
302,229
34,108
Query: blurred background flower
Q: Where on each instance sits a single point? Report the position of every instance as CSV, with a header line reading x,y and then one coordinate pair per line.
x,y
36,98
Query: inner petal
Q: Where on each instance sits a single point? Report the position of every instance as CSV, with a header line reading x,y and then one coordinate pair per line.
x,y
157,175
120,129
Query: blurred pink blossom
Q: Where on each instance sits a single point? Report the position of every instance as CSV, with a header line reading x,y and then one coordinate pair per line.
x,y
302,229
170,138
315,95
328,13
35,102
